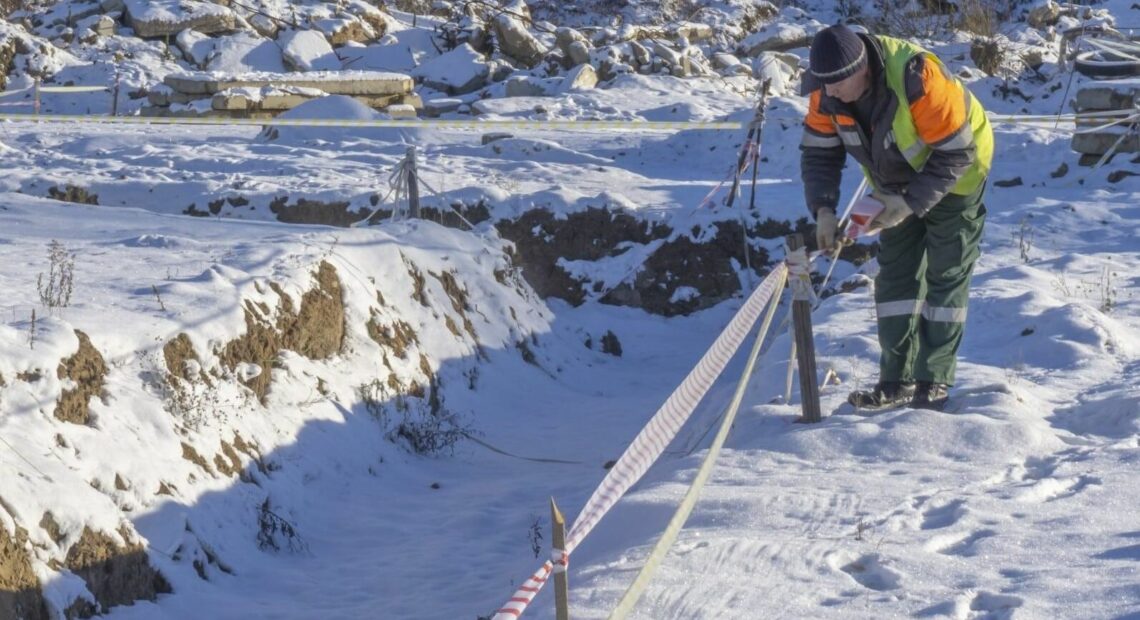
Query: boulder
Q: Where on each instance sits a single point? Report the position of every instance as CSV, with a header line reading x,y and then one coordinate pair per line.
x,y
692,31
582,77
526,86
101,25
365,83
578,52
517,42
462,70
1044,15
342,30
245,52
307,50
164,18
444,105
778,37
195,47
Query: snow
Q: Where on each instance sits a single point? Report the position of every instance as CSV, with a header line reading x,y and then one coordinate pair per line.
x,y
1020,501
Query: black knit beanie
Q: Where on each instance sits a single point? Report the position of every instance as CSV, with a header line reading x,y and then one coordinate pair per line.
x,y
836,53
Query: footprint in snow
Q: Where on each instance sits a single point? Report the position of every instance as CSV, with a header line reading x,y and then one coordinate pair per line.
x,y
870,573
944,516
1053,489
957,545
975,606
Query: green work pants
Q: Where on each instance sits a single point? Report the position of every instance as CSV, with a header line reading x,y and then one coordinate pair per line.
x,y
922,289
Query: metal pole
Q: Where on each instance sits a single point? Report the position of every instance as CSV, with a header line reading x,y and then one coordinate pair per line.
x,y
561,583
115,96
804,339
413,183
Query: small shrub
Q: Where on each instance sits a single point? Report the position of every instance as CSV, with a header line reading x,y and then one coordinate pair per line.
x,y
535,536
1025,239
56,291
276,534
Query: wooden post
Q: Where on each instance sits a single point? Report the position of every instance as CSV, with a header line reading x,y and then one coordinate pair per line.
x,y
804,339
36,97
561,584
413,184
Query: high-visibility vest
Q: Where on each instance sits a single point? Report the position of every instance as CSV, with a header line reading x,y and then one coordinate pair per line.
x,y
896,54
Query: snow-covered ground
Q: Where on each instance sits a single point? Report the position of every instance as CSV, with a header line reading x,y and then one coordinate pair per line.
x,y
1021,501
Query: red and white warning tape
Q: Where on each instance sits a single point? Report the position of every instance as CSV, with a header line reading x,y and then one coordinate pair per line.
x,y
652,440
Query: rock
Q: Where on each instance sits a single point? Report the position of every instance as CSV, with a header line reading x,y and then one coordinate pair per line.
x,y
578,52
641,54
582,77
563,37
307,50
693,31
770,66
438,107
195,47
724,60
100,25
264,25
488,138
1044,15
517,42
245,52
525,86
340,31
401,111
670,56
365,83
778,37
163,18
1106,95
462,70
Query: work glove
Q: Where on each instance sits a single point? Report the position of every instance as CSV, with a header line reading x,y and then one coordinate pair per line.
x,y
826,227
895,210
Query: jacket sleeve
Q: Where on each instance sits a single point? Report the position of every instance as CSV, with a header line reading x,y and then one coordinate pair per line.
x,y
940,106
821,159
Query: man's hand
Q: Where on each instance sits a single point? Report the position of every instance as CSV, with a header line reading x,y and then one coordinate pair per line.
x,y
895,210
826,227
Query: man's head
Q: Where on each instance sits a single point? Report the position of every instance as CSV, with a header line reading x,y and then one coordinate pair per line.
x,y
839,62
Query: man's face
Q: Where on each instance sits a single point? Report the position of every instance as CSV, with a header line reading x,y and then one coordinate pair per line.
x,y
851,88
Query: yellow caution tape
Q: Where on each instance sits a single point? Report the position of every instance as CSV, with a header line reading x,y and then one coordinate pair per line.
x,y
409,123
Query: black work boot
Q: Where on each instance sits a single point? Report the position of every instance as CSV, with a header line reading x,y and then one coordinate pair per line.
x,y
885,395
929,395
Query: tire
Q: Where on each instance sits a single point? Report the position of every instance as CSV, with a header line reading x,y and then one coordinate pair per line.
x,y
1105,64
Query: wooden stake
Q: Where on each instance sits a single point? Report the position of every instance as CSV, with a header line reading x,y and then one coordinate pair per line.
x,y
804,339
561,583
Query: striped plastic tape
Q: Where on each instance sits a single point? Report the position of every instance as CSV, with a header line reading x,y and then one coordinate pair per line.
x,y
656,435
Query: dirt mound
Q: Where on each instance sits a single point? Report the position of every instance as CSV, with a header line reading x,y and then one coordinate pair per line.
x,y
88,370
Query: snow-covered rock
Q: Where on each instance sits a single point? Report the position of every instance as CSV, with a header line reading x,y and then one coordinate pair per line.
x,y
778,37
245,52
163,18
517,42
307,50
462,70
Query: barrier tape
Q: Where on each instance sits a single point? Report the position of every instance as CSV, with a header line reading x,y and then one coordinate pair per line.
x,y
472,124
669,536
57,89
656,435
336,122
